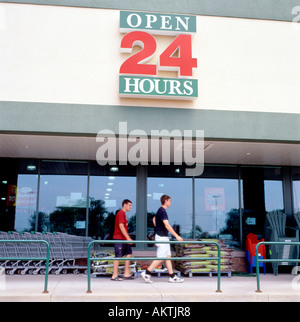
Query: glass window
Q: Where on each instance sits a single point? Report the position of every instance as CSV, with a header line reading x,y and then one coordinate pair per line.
x,y
19,186
81,198
170,180
273,189
109,186
217,205
296,189
63,197
26,202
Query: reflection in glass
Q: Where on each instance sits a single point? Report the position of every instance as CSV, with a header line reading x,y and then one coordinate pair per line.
x,y
63,197
273,189
217,209
273,195
296,189
18,189
62,205
109,186
26,202
180,213
106,196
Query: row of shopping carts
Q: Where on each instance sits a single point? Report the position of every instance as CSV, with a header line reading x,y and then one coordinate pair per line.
x,y
67,253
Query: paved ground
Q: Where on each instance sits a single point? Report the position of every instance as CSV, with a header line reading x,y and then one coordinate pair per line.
x,y
64,288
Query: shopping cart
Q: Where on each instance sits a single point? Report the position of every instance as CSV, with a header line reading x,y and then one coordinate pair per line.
x,y
64,251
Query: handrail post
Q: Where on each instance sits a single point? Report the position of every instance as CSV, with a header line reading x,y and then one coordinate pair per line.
x,y
257,267
219,269
89,267
47,267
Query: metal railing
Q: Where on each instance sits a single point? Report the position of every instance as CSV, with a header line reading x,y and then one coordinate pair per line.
x,y
19,258
89,258
273,260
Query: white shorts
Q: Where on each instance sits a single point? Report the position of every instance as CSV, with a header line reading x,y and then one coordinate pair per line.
x,y
163,250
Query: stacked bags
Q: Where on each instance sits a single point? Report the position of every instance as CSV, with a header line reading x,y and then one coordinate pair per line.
x,y
203,251
103,265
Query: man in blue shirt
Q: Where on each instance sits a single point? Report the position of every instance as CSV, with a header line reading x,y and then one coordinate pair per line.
x,y
162,230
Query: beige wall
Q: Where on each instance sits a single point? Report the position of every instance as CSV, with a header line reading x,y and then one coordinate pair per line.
x,y
72,55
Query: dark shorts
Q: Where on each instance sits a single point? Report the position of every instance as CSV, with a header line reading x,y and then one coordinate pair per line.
x,y
122,250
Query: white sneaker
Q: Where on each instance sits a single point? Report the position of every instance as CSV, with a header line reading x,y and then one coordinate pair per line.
x,y
176,279
146,277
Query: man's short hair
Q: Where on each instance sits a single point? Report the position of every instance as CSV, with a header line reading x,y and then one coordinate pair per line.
x,y
164,198
125,202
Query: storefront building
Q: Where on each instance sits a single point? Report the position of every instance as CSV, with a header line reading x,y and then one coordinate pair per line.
x,y
82,127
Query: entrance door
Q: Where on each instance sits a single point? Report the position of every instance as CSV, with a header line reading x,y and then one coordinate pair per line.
x,y
262,192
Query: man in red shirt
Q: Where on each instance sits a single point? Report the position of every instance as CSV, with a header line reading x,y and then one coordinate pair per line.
x,y
121,233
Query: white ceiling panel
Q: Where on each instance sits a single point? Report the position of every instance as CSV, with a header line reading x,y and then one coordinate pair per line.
x,y
85,148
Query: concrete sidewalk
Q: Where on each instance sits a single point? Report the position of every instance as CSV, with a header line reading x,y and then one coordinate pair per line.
x,y
65,288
